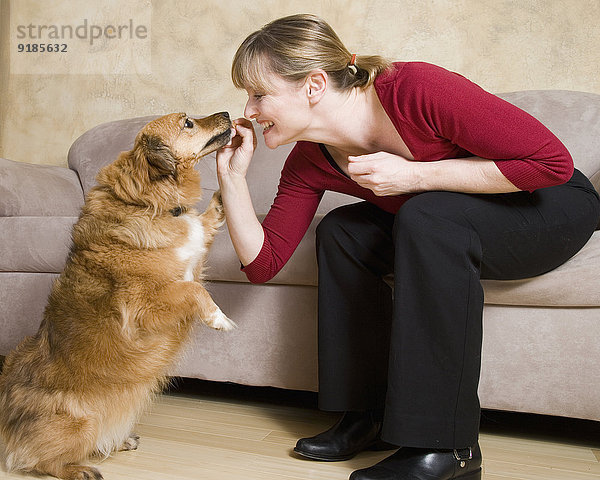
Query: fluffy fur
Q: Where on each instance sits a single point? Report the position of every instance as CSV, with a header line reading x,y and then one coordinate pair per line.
x,y
119,313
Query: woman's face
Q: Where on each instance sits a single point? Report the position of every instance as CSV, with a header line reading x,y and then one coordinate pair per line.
x,y
283,112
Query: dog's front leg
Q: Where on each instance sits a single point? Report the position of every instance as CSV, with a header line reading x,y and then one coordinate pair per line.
x,y
211,314
212,218
190,301
178,303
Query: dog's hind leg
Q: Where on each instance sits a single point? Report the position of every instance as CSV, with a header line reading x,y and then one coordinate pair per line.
x,y
132,443
56,444
70,471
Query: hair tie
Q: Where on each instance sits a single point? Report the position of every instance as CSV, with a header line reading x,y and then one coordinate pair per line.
x,y
352,66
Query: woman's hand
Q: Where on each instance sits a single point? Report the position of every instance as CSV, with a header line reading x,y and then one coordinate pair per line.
x,y
388,174
234,158
384,173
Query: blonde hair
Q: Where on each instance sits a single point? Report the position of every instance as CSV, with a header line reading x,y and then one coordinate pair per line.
x,y
292,47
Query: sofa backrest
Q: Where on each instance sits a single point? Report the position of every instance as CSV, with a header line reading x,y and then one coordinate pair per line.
x,y
102,144
574,117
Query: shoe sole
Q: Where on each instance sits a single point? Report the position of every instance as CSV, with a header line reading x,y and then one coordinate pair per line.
x,y
324,459
377,446
471,476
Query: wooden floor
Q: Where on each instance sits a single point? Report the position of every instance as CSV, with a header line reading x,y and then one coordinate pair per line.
x,y
220,432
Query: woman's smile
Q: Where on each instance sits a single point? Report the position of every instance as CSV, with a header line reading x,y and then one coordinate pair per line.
x,y
266,126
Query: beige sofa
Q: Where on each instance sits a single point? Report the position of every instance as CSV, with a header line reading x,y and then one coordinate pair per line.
x,y
541,352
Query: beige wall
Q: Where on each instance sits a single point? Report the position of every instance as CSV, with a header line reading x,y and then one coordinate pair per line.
x,y
502,45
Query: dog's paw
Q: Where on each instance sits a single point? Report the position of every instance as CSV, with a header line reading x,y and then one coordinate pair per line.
x,y
217,203
132,443
79,472
219,321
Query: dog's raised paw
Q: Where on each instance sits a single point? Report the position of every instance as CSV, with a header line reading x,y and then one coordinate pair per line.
x,y
217,204
219,321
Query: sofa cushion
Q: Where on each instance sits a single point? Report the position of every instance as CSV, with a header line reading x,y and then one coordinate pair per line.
x,y
93,150
40,204
544,290
23,297
38,190
573,284
101,145
574,117
34,244
301,269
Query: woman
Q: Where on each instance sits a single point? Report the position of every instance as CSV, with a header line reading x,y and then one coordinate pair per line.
x,y
457,185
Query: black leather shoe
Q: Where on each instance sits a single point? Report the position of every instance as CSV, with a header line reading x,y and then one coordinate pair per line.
x,y
355,432
423,464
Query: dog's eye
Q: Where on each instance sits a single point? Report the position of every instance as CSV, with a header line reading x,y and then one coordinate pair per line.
x,y
188,123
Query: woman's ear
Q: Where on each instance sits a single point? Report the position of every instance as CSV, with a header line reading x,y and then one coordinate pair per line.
x,y
316,85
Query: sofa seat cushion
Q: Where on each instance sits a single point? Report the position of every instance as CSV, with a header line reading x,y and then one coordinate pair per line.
x,y
579,273
23,297
301,268
35,244
28,189
575,283
41,244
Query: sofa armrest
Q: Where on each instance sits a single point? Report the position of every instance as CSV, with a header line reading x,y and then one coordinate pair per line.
x,y
101,145
40,204
38,190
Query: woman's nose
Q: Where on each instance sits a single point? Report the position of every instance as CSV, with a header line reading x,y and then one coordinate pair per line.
x,y
250,110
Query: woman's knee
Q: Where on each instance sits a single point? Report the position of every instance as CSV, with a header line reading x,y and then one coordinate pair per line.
x,y
423,212
360,229
351,219
331,224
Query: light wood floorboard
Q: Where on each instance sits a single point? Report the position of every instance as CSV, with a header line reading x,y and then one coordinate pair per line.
x,y
237,436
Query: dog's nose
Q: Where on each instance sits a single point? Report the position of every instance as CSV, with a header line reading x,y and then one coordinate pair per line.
x,y
225,114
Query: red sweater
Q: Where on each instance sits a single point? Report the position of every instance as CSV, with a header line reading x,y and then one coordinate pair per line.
x,y
439,115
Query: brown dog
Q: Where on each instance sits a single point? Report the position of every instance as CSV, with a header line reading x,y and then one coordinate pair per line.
x,y
122,308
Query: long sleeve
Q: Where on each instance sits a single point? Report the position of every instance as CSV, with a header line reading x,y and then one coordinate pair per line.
x,y
288,218
434,106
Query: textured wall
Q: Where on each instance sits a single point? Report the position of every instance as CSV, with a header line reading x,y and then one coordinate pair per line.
x,y
503,45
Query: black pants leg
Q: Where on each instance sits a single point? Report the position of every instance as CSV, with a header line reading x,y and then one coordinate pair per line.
x,y
354,250
421,351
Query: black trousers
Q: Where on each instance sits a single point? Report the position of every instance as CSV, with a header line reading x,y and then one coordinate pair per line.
x,y
416,352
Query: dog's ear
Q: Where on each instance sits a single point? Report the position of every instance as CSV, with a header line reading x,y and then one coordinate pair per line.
x,y
161,160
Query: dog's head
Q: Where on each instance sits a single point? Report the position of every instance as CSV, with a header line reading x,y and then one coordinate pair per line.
x,y
175,142
159,171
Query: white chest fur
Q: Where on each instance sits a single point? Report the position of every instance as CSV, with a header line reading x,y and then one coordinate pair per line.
x,y
194,249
